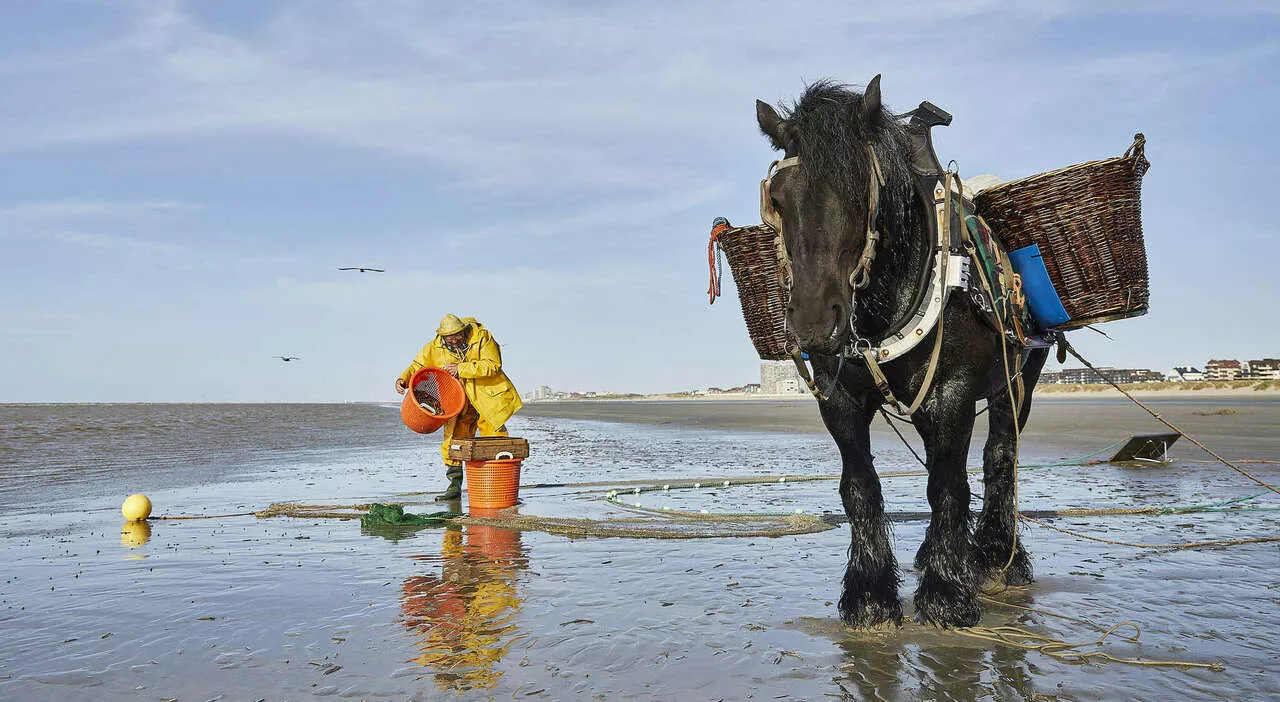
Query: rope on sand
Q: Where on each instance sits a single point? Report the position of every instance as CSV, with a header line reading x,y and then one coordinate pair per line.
x,y
1070,652
1161,547
1062,650
294,509
176,517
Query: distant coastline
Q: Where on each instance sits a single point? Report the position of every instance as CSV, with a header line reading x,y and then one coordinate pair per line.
x,y
1196,387
1205,388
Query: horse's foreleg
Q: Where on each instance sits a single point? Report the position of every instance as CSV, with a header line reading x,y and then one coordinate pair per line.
x,y
947,592
870,593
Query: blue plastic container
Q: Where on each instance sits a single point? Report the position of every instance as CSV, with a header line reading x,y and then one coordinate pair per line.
x,y
1042,297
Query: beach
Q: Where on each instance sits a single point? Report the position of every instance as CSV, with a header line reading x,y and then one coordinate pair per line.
x,y
234,606
1243,420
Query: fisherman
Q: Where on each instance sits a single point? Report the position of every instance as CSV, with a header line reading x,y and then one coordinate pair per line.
x,y
465,349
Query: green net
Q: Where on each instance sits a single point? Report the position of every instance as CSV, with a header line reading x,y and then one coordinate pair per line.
x,y
380,515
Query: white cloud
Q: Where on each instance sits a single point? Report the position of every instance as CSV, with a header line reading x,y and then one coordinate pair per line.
x,y
93,209
97,224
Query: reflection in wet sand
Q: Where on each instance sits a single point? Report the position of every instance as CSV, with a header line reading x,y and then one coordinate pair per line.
x,y
135,533
922,662
463,618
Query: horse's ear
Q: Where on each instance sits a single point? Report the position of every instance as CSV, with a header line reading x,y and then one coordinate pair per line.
x,y
771,124
871,100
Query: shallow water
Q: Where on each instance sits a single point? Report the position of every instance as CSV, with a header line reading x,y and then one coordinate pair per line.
x,y
284,608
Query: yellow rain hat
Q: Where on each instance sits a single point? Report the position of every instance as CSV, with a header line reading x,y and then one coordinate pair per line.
x,y
450,325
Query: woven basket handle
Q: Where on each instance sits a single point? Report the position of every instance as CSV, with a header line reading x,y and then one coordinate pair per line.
x,y
1137,154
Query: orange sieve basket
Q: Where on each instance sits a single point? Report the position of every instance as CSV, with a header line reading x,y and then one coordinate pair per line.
x,y
492,484
433,398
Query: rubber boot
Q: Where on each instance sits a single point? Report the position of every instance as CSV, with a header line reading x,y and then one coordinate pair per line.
x,y
454,491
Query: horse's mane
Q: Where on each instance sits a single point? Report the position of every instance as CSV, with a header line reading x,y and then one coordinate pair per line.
x,y
829,125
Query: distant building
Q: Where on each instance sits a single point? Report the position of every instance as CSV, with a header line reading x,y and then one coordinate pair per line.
x,y
1136,375
780,378
1081,376
1186,374
1263,369
1228,369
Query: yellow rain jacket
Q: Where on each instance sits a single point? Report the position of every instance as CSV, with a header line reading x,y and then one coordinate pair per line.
x,y
480,371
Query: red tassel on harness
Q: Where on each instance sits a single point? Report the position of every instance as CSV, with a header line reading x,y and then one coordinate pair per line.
x,y
713,289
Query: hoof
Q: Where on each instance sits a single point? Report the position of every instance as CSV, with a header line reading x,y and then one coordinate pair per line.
x,y
946,604
865,613
994,556
1019,572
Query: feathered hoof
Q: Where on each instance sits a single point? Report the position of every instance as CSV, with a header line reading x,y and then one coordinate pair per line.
x,y
945,604
1018,572
863,612
994,557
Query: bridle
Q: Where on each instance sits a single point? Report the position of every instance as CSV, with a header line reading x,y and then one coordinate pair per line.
x,y
949,272
860,277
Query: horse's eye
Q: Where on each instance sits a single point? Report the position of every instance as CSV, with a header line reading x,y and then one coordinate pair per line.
x,y
777,206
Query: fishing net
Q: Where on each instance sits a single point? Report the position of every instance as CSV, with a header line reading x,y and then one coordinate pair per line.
x,y
674,526
684,526
427,394
394,515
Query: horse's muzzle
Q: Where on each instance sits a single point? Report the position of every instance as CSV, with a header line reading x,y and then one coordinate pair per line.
x,y
823,335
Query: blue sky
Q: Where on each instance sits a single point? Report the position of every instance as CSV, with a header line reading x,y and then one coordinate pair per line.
x,y
182,179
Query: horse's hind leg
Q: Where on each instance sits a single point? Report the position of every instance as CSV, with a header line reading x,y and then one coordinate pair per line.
x,y
1000,552
870,593
947,592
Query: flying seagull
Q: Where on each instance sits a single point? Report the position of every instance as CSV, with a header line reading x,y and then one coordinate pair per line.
x,y
362,270
286,359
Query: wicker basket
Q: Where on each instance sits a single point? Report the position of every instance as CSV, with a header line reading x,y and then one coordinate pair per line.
x,y
753,259
1087,220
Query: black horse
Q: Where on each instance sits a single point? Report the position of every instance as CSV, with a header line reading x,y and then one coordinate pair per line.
x,y
824,207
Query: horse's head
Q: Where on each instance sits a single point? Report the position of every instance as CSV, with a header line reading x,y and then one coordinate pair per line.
x,y
824,201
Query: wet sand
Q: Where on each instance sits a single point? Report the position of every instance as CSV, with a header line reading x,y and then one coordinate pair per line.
x,y
1240,424
292,608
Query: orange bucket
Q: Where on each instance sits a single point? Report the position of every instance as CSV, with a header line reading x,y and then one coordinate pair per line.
x,y
492,484
433,398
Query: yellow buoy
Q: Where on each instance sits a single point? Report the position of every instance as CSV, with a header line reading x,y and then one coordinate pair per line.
x,y
136,508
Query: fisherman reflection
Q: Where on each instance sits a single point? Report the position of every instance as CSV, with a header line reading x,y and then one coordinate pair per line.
x,y
464,618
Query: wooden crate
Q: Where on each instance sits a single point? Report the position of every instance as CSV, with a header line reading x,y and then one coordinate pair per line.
x,y
487,448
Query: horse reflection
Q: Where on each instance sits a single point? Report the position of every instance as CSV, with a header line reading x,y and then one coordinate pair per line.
x,y
917,662
464,617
